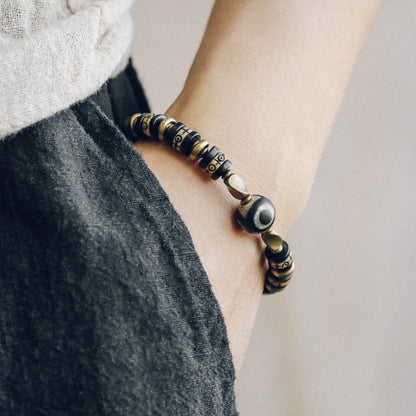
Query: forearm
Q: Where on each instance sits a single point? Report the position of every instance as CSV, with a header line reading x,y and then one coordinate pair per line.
x,y
265,87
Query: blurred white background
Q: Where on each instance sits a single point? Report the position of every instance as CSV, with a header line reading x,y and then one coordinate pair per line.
x,y
341,340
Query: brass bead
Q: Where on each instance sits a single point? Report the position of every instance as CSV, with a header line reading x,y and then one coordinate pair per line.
x,y
228,174
271,288
199,149
246,199
236,186
146,124
272,240
132,122
281,274
163,125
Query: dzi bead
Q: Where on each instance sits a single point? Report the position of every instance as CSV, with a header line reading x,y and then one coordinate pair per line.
x,y
256,215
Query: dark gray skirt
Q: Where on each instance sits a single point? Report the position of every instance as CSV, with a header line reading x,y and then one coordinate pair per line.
x,y
105,308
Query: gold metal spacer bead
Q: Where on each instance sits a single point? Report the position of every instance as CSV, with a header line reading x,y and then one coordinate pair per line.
x,y
163,126
132,122
228,174
246,199
272,240
236,187
199,149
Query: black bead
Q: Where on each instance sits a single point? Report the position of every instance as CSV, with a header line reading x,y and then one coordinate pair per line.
x,y
222,170
137,127
280,256
208,157
128,130
274,280
154,125
250,217
171,131
189,141
273,284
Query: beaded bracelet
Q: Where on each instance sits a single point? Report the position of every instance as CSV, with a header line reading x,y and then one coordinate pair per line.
x,y
256,213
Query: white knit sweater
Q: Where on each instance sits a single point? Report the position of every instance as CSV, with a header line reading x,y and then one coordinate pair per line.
x,y
54,53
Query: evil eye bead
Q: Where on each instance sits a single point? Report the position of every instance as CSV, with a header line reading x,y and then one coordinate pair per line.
x,y
256,214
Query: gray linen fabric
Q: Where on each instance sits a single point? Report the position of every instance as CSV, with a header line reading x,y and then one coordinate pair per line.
x,y
105,308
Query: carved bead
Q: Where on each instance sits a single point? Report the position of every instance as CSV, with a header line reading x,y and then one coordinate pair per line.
x,y
210,155
215,163
236,186
222,170
281,262
179,137
284,271
257,215
145,123
171,131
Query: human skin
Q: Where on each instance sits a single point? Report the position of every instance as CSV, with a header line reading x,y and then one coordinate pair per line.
x,y
265,87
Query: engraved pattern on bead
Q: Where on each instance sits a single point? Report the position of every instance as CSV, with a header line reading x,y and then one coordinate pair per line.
x,y
203,163
145,125
279,274
256,215
222,170
215,163
282,265
180,137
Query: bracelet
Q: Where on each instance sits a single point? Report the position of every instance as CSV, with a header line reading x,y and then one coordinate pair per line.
x,y
255,214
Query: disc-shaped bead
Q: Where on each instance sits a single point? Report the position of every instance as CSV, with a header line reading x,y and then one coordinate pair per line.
x,y
145,123
222,170
210,155
257,215
170,132
154,125
278,256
